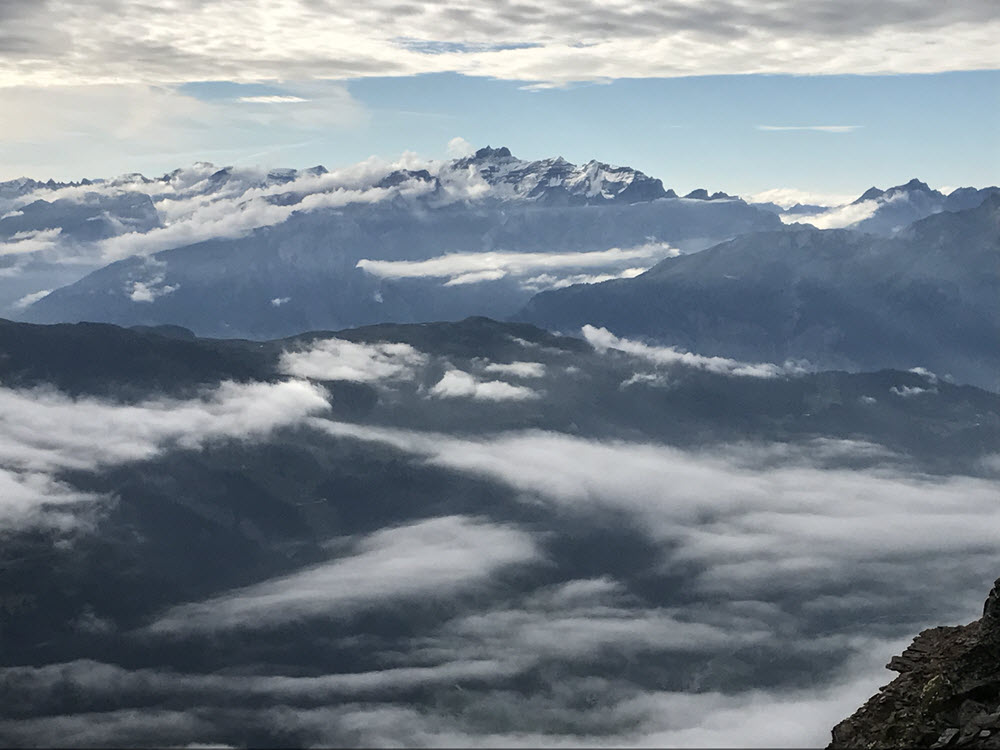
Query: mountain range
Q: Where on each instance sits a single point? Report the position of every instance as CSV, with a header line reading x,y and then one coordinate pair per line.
x,y
242,253
927,296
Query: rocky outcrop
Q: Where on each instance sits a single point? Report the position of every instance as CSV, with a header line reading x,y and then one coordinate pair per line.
x,y
947,694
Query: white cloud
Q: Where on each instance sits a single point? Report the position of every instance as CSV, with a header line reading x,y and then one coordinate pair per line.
x,y
553,42
548,281
429,558
818,128
279,301
197,203
337,359
750,523
43,432
602,340
148,291
464,267
778,553
476,277
836,218
30,499
517,369
925,373
458,384
113,682
458,147
788,197
193,208
271,99
130,123
30,242
30,299
908,391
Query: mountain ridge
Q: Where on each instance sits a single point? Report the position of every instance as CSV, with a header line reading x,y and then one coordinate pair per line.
x,y
835,297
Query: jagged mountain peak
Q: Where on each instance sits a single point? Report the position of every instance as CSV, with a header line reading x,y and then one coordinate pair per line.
x,y
488,152
871,194
558,181
914,186
701,194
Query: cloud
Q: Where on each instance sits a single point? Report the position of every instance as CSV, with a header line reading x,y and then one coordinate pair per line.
x,y
749,523
552,43
103,681
779,584
788,197
32,499
271,99
578,620
458,384
336,359
836,218
517,369
570,639
818,128
909,391
435,557
148,291
480,266
43,432
602,339
548,281
279,301
607,713
30,299
128,123
202,202
23,243
458,147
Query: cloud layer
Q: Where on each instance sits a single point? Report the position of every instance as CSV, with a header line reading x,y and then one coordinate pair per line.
x,y
122,41
468,268
45,432
430,558
666,356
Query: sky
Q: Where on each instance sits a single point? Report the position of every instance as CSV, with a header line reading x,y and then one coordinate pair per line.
x,y
820,96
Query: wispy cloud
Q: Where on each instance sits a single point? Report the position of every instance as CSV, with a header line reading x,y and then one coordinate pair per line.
x,y
30,299
788,197
43,433
336,359
271,99
427,558
667,356
820,128
466,267
459,384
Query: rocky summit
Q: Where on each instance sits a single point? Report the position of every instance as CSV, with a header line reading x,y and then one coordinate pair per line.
x,y
947,693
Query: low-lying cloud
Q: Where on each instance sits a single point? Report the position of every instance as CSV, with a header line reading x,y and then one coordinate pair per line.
x,y
463,268
666,356
835,218
43,432
748,525
517,369
429,558
780,584
459,384
337,359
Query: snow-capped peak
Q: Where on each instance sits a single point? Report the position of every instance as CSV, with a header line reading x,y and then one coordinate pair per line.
x,y
558,181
